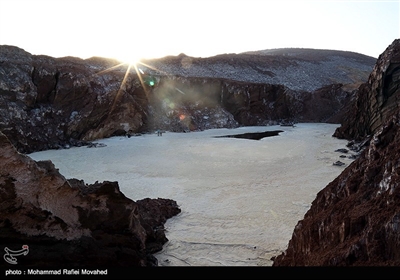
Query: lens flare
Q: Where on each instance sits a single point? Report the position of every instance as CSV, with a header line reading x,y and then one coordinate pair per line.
x,y
143,78
177,98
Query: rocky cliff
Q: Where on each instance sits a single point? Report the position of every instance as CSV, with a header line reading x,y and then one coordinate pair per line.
x,y
376,100
354,221
51,103
296,68
54,103
72,223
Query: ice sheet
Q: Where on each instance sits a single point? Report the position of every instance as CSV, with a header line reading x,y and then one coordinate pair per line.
x,y
240,199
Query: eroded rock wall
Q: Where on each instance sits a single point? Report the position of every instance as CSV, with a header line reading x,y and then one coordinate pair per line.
x,y
53,103
354,221
179,104
376,100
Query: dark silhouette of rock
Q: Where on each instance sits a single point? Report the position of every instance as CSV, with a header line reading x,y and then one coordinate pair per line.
x,y
70,223
354,221
53,103
338,163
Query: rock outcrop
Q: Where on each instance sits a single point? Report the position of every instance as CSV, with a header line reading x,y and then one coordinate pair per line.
x,y
72,223
48,103
376,100
51,103
354,221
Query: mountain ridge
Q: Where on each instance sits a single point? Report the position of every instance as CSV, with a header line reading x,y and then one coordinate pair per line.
x,y
305,52
308,69
48,102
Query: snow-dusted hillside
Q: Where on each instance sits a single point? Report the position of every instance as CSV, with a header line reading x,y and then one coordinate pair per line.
x,y
297,69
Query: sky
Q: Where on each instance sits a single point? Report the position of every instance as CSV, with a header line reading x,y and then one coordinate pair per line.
x,y
132,29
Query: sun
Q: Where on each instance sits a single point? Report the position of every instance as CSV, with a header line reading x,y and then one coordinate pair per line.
x,y
134,54
129,58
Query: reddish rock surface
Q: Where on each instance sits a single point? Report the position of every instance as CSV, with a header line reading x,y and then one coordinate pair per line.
x,y
355,220
376,100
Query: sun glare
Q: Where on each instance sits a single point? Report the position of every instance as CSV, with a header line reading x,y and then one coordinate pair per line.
x,y
133,54
130,59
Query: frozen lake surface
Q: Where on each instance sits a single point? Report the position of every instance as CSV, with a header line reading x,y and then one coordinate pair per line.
x,y
240,199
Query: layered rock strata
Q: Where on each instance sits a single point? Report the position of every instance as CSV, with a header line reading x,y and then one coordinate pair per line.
x,y
376,100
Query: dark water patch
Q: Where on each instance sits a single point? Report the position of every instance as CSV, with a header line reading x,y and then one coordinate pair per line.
x,y
254,135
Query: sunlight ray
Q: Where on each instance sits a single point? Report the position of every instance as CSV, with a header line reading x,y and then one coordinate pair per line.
x,y
120,88
140,77
153,68
110,69
139,74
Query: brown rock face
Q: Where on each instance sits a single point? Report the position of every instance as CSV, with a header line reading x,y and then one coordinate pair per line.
x,y
354,221
181,103
52,103
376,100
90,224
